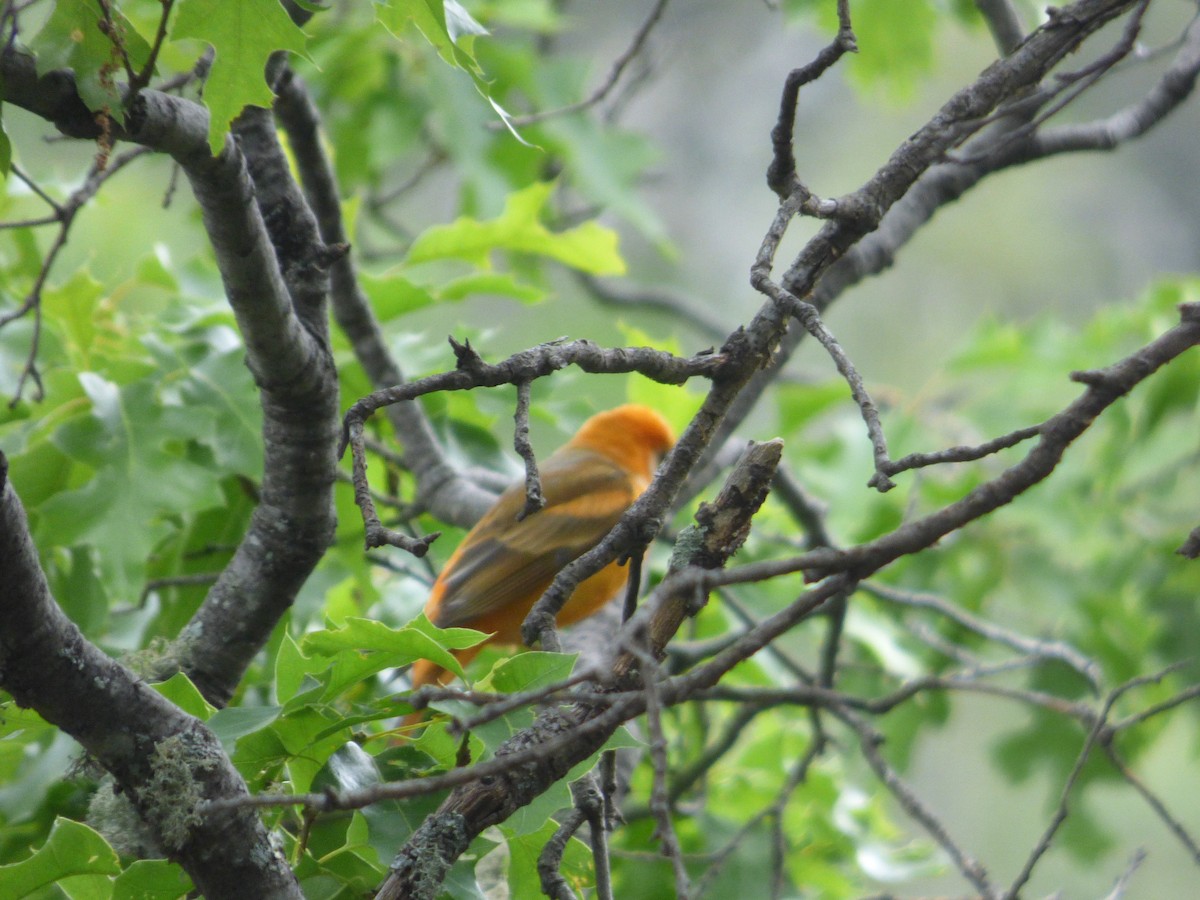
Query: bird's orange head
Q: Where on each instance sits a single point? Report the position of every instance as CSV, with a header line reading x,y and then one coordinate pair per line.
x,y
635,437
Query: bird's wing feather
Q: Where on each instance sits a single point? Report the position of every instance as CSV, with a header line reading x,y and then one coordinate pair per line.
x,y
504,561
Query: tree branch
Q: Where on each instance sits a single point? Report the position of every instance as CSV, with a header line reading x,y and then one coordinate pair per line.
x,y
166,762
443,491
292,525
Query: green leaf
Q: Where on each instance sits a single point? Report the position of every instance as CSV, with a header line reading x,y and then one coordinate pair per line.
x,y
243,35
72,308
500,284
451,31
430,18
418,640
72,849
180,691
131,442
39,756
291,666
589,247
86,887
394,295
310,738
895,42
529,671
362,648
71,39
151,879
233,722
609,168
211,375
77,585
799,405
524,851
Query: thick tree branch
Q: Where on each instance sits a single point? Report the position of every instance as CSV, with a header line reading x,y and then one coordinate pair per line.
x,y
166,762
52,96
1172,88
283,331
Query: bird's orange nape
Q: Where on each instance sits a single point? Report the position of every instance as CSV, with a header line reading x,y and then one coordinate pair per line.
x,y
505,564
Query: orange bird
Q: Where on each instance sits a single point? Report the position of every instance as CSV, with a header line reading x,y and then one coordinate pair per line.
x,y
504,564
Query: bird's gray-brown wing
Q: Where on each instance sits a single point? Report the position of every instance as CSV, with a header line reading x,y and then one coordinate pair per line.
x,y
503,561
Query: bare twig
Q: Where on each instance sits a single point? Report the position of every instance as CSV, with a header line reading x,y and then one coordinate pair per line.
x,y
610,82
808,316
534,499
1122,884
1095,735
141,79
1187,695
493,706
64,215
437,156
589,808
796,777
1156,803
116,35
960,454
679,308
1071,85
808,511
781,174
684,779
660,803
870,741
1172,88
1055,650
819,698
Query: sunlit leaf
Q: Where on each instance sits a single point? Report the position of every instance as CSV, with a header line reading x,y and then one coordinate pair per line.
x,y
243,35
588,247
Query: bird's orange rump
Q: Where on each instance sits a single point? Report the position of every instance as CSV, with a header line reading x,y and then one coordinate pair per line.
x,y
504,564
